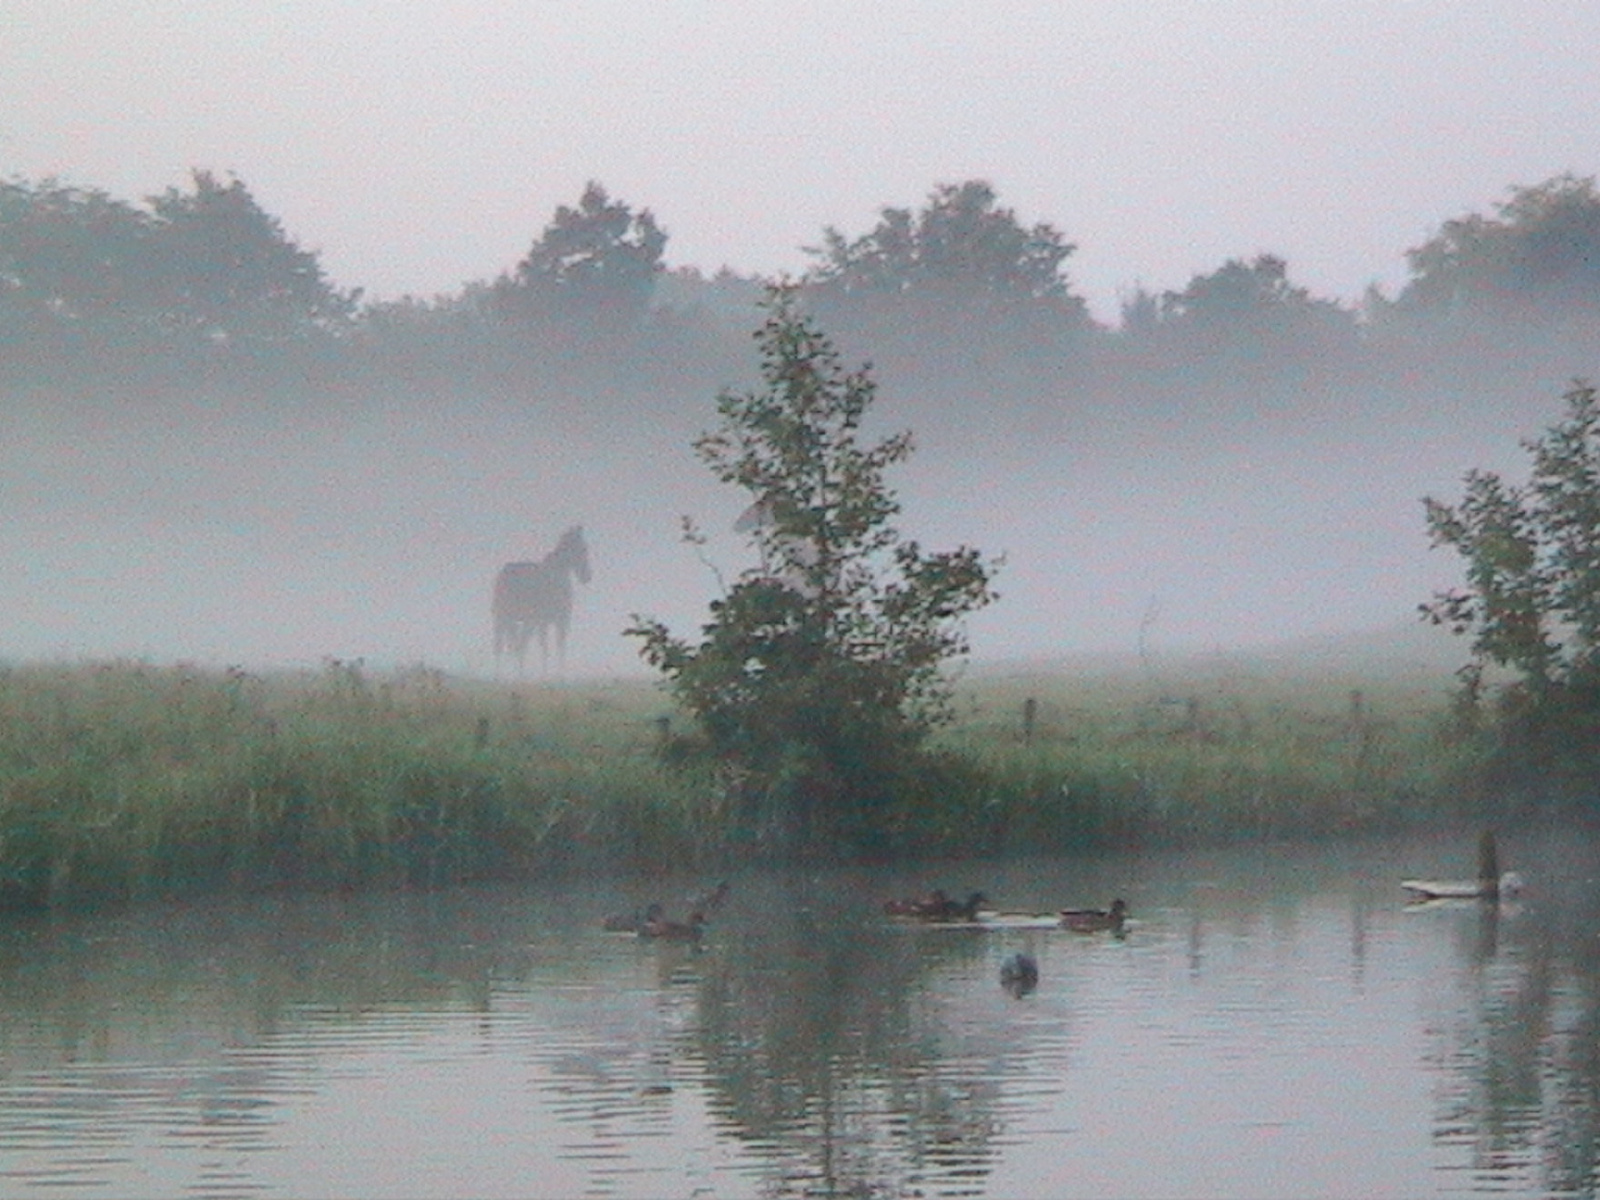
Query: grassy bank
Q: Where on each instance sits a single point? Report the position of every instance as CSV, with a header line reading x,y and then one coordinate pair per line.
x,y
127,779
1215,750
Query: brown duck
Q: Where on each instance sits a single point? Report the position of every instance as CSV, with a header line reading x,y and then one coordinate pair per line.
x,y
1096,920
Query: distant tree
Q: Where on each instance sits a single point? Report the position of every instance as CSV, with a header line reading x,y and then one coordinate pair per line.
x,y
1249,305
75,269
227,272
817,677
725,297
595,266
1532,595
1141,312
961,256
1538,257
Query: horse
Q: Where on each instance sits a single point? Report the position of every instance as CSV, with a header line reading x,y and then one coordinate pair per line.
x,y
536,597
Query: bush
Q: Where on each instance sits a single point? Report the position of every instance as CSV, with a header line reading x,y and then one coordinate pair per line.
x,y
817,678
1532,598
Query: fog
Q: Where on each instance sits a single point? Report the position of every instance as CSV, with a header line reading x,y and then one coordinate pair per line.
x,y
418,146
275,530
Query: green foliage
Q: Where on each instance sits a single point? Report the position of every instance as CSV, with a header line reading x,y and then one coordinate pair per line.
x,y
1220,752
74,264
84,276
227,270
1248,301
818,675
597,262
124,779
1532,596
1538,256
960,258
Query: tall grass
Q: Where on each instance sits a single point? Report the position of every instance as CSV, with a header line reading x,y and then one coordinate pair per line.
x,y
128,778
125,779
1214,752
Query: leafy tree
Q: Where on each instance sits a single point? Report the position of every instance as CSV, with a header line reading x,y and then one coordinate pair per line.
x,y
1532,596
84,274
228,273
817,678
960,255
1538,256
1244,304
595,264
74,267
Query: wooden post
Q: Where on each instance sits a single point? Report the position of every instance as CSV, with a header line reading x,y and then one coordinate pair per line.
x,y
1488,866
1030,718
480,739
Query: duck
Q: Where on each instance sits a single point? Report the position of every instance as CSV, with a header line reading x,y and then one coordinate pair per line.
x,y
1019,974
1096,920
1505,886
677,931
634,921
937,906
1490,884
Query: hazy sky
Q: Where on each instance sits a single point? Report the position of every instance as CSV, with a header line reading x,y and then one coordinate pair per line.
x,y
423,144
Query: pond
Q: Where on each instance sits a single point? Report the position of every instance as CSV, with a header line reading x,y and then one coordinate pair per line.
x,y
1272,1021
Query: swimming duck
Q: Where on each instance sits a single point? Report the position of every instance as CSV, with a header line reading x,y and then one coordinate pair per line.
x,y
1504,886
938,906
634,921
1019,974
678,931
1096,920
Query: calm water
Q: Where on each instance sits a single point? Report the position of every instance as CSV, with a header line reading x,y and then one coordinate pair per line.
x,y
1275,1023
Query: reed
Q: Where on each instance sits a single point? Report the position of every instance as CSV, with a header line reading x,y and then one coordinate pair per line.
x,y
125,779
1214,754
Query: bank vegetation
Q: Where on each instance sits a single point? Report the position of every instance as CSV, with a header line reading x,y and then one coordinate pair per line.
x,y
121,780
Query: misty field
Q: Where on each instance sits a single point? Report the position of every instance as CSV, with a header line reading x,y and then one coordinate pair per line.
x,y
126,779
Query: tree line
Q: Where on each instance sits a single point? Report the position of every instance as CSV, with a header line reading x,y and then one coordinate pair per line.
x,y
204,275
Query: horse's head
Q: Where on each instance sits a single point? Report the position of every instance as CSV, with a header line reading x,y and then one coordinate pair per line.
x,y
574,551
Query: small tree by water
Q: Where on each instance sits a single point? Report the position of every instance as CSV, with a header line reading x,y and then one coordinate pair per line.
x,y
1532,596
817,678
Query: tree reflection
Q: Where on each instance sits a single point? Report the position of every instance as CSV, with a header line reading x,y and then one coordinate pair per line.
x,y
823,1045
1523,1055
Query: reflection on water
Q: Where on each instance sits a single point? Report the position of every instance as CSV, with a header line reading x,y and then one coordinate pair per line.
x,y
1274,1022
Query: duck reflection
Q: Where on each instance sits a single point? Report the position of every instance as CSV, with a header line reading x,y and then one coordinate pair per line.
x,y
1019,974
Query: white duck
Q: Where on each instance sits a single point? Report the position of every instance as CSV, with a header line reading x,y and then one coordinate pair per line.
x,y
1489,885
